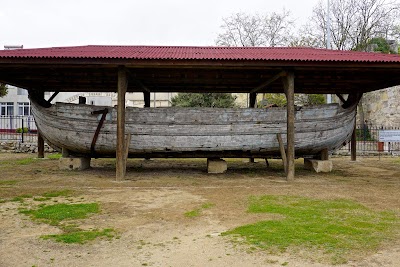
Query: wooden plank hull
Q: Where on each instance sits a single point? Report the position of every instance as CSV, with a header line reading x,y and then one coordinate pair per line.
x,y
195,132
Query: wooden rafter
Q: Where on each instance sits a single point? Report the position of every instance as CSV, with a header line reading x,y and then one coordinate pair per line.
x,y
269,81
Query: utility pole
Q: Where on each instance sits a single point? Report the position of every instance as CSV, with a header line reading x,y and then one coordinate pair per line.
x,y
328,26
328,40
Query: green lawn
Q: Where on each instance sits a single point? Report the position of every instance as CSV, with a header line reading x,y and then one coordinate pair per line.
x,y
54,214
339,227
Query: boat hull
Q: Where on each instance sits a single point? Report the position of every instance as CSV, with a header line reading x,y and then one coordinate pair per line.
x,y
194,132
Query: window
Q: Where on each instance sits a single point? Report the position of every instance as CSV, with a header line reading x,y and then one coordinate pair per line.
x,y
21,91
6,108
24,108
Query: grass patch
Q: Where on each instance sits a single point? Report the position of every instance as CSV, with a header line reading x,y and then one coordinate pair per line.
x,y
63,215
20,198
45,196
62,193
8,182
54,214
207,206
80,237
41,198
197,212
26,161
339,228
54,156
192,213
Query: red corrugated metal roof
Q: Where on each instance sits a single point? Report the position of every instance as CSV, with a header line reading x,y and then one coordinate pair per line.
x,y
198,53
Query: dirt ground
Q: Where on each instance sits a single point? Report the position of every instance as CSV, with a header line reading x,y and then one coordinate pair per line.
x,y
147,210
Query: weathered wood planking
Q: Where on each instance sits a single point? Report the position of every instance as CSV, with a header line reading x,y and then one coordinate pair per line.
x,y
186,132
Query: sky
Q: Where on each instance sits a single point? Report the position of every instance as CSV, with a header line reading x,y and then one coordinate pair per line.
x,y
51,23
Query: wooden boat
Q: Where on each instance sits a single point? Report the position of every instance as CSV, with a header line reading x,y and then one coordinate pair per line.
x,y
87,130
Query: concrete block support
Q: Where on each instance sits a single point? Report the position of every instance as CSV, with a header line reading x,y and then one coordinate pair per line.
x,y
318,165
216,166
74,163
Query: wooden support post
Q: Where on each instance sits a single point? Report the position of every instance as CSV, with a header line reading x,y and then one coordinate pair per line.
x,y
127,142
288,83
252,104
324,154
82,100
353,145
283,153
146,97
40,140
120,155
40,144
65,152
253,100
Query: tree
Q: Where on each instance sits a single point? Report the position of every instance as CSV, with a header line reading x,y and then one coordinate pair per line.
x,y
273,99
3,89
278,28
300,99
381,45
354,22
213,100
271,29
309,99
307,37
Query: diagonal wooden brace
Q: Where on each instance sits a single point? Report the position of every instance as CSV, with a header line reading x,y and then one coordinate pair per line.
x,y
101,122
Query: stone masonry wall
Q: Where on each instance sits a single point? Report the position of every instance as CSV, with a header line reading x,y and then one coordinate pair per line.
x,y
382,108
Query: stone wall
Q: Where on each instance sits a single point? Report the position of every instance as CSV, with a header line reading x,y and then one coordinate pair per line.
x,y
382,108
18,147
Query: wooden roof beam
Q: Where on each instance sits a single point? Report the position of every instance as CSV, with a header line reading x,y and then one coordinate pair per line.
x,y
139,83
268,82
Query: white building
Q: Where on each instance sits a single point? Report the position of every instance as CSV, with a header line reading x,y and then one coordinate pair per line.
x,y
15,103
110,99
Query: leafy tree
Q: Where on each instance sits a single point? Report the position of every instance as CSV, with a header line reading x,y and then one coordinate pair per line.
x,y
381,45
309,99
3,89
214,100
273,99
300,99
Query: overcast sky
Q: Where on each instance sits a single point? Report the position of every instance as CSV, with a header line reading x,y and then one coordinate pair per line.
x,y
46,23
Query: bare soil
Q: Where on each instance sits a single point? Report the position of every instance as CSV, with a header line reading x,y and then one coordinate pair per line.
x,y
147,210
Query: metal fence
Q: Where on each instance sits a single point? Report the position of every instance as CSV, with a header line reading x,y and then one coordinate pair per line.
x,y
367,137
18,128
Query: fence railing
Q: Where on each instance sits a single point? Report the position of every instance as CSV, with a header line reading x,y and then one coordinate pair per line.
x,y
367,137
18,128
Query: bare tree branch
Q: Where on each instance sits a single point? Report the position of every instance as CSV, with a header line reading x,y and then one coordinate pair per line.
x,y
356,22
254,30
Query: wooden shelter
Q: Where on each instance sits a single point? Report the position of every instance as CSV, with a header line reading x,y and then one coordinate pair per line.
x,y
198,69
